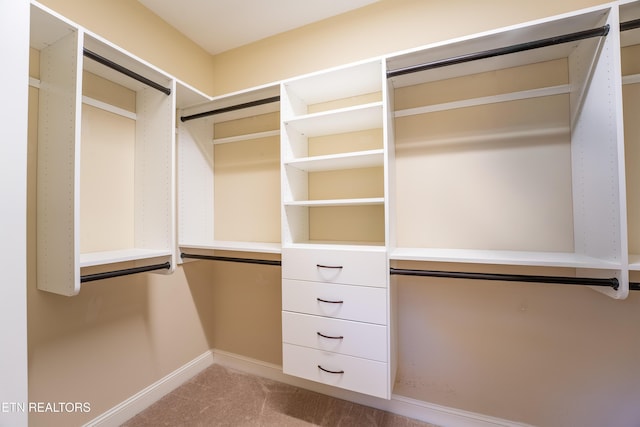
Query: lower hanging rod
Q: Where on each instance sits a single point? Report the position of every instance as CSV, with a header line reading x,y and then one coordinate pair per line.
x,y
125,272
584,281
127,72
232,259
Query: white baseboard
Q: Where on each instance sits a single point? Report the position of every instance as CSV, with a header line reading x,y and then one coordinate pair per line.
x,y
416,409
146,397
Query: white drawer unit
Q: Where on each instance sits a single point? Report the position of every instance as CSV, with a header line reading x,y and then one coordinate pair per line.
x,y
352,267
339,336
351,373
359,303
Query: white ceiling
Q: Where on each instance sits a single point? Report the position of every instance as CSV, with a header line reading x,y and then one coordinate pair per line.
x,y
219,25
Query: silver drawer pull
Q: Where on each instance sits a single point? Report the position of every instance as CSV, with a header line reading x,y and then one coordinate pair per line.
x,y
330,302
329,266
330,337
330,371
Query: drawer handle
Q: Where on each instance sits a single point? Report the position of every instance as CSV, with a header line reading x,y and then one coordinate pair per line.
x,y
330,371
329,336
330,302
338,267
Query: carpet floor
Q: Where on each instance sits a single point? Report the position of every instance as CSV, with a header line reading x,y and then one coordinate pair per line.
x,y
219,396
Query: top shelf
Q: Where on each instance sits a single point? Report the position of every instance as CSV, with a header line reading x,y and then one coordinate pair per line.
x,y
495,40
334,84
47,27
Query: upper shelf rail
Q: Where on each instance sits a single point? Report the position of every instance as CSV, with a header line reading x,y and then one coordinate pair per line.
x,y
231,108
232,259
127,72
520,47
630,25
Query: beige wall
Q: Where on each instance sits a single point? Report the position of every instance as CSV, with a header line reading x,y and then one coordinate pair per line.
x,y
385,27
541,354
133,27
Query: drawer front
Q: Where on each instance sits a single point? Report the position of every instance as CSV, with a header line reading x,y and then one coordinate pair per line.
x,y
339,336
366,268
351,373
359,303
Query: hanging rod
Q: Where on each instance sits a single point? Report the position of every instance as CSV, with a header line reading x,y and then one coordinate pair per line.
x,y
231,108
521,47
107,62
231,259
585,281
634,286
125,272
630,25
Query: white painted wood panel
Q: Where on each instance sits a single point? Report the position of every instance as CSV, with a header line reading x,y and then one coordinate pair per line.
x,y
14,47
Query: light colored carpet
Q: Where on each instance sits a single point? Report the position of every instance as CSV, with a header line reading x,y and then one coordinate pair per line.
x,y
223,397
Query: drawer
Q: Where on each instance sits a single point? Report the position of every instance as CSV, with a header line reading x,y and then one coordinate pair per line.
x,y
339,336
351,373
360,303
367,268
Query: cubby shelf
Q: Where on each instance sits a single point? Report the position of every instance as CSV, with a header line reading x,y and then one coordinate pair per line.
x,y
351,119
352,160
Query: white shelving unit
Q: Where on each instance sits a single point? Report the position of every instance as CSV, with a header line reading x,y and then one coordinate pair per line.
x,y
630,46
61,227
317,109
201,172
335,293
523,124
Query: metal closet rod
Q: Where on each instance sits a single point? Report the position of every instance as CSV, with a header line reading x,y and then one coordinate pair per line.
x,y
231,108
630,25
583,281
232,259
125,272
634,286
521,47
119,68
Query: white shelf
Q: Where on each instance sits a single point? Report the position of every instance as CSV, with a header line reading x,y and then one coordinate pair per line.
x,y
110,257
260,247
47,27
492,40
246,137
540,259
352,160
339,83
338,246
343,120
338,202
485,100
